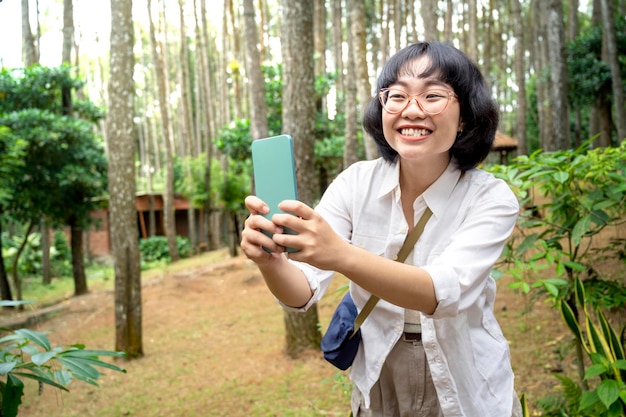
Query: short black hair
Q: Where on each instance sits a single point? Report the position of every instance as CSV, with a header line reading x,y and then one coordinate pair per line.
x,y
479,112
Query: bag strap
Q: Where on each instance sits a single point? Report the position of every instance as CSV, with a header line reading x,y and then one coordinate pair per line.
x,y
407,247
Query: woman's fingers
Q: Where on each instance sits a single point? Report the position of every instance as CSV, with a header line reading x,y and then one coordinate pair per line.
x,y
255,205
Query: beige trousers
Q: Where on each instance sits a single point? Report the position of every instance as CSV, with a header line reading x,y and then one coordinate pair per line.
x,y
405,387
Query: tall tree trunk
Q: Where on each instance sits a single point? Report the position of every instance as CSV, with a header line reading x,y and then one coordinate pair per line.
x,y
187,137
78,259
572,33
169,221
29,51
256,89
361,74
600,119
17,283
612,58
337,28
319,39
448,29
45,252
123,213
68,31
520,74
559,104
540,54
473,30
429,17
302,330
5,287
351,146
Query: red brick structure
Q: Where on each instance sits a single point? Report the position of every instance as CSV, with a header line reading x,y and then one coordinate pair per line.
x,y
98,236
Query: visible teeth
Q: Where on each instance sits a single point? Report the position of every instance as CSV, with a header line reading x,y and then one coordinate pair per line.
x,y
414,132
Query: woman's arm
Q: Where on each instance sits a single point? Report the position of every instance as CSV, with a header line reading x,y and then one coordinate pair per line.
x,y
283,279
401,284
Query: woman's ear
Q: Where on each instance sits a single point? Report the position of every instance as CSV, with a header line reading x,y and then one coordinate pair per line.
x,y
461,126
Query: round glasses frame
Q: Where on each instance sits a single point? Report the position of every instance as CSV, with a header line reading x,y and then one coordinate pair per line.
x,y
381,97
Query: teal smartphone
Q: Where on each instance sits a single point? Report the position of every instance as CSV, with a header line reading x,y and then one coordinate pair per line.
x,y
274,173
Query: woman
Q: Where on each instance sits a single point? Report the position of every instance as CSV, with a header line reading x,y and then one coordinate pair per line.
x,y
431,346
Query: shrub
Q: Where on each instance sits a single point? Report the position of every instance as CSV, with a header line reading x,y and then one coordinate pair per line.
x,y
155,249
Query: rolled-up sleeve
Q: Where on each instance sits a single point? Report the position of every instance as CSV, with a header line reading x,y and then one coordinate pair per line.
x,y
459,266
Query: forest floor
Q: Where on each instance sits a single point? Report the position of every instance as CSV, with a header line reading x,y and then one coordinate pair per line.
x,y
213,340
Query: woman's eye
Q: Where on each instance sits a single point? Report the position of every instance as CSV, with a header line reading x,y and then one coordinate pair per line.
x,y
397,96
434,95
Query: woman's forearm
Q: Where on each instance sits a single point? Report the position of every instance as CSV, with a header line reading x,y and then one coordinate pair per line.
x,y
287,282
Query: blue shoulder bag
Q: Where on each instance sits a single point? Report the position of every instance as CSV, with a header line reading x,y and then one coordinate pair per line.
x,y
343,336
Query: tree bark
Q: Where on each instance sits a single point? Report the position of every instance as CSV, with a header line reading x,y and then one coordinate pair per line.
x,y
29,51
256,88
169,221
429,17
68,31
361,74
78,260
302,330
559,138
351,146
5,288
46,273
612,59
520,77
123,213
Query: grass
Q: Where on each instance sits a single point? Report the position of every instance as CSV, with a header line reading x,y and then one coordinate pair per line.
x,y
214,346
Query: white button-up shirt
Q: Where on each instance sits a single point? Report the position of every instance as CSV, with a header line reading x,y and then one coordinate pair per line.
x,y
473,215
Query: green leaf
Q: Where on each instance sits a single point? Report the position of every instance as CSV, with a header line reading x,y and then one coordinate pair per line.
x,y
588,400
572,323
64,377
527,243
7,367
595,370
560,176
36,337
12,396
40,358
581,228
81,370
42,379
620,364
608,392
86,353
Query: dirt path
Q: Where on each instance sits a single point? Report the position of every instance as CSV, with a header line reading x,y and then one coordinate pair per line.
x,y
213,341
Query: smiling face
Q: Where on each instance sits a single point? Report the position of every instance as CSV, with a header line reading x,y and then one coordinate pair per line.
x,y
412,133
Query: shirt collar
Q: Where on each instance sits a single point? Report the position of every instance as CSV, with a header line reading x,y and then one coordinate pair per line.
x,y
436,196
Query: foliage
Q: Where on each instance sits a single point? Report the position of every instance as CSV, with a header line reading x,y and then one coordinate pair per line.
x,y
587,72
12,150
569,198
30,263
274,97
29,354
605,348
64,167
581,192
155,249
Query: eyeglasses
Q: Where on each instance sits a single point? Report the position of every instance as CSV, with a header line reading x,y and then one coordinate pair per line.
x,y
431,102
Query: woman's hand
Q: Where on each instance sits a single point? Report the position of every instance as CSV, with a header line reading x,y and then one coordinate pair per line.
x,y
316,242
253,240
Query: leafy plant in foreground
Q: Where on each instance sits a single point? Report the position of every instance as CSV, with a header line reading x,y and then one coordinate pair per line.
x,y
29,354
605,347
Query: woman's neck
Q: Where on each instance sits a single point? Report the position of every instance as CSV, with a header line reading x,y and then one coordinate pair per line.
x,y
416,177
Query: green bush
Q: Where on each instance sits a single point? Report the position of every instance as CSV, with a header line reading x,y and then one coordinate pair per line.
x,y
30,262
155,249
